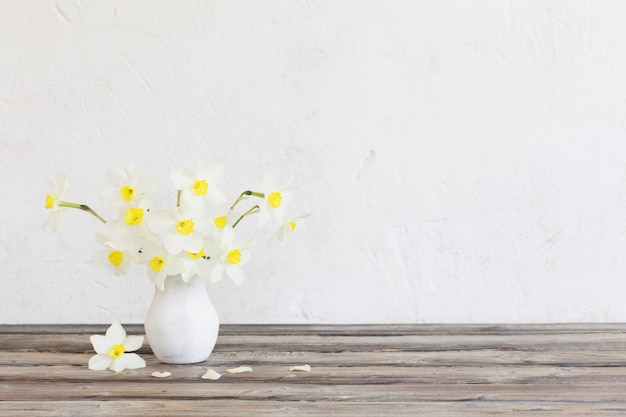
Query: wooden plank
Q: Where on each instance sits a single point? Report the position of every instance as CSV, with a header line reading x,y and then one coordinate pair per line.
x,y
331,375
160,408
584,358
153,389
307,343
345,330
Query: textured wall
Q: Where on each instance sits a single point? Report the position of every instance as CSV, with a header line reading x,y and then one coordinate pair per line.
x,y
464,161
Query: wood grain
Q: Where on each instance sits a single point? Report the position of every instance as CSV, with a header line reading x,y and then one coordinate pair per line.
x,y
357,370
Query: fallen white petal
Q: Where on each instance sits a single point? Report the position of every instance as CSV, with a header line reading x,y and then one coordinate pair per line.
x,y
211,374
161,374
302,368
239,370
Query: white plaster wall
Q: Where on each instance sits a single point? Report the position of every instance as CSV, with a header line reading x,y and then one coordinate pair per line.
x,y
464,161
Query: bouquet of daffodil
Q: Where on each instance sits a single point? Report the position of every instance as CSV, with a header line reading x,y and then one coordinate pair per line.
x,y
195,237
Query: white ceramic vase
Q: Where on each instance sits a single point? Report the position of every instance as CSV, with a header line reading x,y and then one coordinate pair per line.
x,y
182,324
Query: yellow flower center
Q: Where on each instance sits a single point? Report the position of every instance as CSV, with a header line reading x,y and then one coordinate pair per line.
x,y
275,199
292,225
116,257
185,227
197,254
234,256
127,192
134,216
156,264
116,351
50,199
220,221
200,187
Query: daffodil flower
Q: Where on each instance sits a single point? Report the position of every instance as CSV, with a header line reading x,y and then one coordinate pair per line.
x,y
183,240
160,263
183,228
288,224
131,224
58,189
203,261
200,183
224,216
232,252
117,256
277,194
127,188
111,350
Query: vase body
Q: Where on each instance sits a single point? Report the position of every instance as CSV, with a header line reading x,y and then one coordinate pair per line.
x,y
181,324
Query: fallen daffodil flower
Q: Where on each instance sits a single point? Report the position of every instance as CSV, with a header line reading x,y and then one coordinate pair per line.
x,y
211,374
111,350
164,374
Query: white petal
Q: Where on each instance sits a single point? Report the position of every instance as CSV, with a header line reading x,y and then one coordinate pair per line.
x,y
302,368
216,273
164,374
158,279
54,220
116,333
203,268
181,179
235,273
239,370
188,272
175,243
100,343
228,237
245,257
133,343
133,361
161,225
118,365
193,243
215,196
61,185
264,215
115,227
278,213
194,208
100,362
211,374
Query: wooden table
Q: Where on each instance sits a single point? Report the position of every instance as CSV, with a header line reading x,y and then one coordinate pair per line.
x,y
382,370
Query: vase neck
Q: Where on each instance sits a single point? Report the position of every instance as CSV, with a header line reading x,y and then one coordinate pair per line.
x,y
176,283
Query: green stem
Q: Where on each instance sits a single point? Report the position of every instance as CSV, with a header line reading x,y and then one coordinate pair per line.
x,y
82,207
180,192
245,214
245,193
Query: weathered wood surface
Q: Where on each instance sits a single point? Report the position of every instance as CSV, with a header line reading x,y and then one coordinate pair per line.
x,y
383,370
